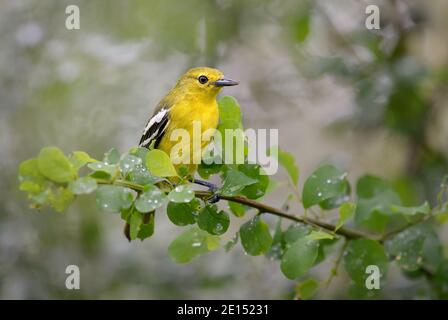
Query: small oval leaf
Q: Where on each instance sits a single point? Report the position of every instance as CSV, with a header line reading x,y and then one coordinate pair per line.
x,y
159,164
181,194
255,236
191,244
150,199
212,221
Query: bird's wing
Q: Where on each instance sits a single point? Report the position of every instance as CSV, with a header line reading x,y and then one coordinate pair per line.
x,y
155,128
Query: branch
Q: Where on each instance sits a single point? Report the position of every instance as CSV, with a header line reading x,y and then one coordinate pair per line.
x,y
264,208
345,232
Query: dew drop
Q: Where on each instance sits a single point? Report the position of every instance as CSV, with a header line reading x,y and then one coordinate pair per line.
x,y
218,228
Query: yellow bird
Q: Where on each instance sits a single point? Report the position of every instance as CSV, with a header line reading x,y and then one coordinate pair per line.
x,y
193,98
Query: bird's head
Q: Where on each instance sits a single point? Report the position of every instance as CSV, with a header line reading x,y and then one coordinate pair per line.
x,y
204,81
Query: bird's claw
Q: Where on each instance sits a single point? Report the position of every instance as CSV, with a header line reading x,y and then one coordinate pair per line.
x,y
215,197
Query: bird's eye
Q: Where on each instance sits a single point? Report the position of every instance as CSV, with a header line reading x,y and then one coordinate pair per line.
x,y
202,79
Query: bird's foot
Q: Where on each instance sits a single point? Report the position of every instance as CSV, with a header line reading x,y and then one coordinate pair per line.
x,y
215,197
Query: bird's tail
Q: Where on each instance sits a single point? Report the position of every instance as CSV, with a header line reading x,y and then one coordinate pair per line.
x,y
127,226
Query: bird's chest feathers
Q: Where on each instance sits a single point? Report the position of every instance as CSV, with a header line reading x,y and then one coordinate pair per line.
x,y
184,114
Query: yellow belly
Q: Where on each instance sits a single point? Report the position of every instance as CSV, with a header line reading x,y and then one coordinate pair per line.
x,y
198,119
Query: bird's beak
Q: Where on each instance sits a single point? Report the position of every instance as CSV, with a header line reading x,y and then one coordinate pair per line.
x,y
223,82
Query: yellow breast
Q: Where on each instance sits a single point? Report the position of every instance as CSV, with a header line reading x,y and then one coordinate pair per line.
x,y
186,115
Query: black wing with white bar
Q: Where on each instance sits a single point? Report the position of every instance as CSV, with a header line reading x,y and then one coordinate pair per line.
x,y
155,128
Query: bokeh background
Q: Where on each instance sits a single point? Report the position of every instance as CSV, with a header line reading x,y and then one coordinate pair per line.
x,y
367,101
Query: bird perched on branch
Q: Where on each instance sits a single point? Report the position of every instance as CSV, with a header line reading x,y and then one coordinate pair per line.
x,y
193,98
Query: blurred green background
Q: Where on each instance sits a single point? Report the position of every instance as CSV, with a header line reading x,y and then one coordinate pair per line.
x,y
368,101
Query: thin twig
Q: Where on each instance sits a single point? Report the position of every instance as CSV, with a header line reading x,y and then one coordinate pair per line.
x,y
334,271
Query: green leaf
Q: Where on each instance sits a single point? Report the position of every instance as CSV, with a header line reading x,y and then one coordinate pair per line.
x,y
346,211
134,224
302,26
229,112
54,165
360,292
211,167
147,227
31,187
257,189
83,185
159,164
180,194
441,217
412,211
114,198
415,247
440,281
325,183
338,200
319,235
433,254
362,253
369,186
141,225
212,221
28,169
184,172
112,156
295,231
230,119
255,236
325,248
139,152
373,214
276,250
41,198
237,209
182,214
287,161
30,178
305,290
150,199
234,182
128,164
299,257
191,244
79,159
61,199
103,170
375,199
141,175
126,213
